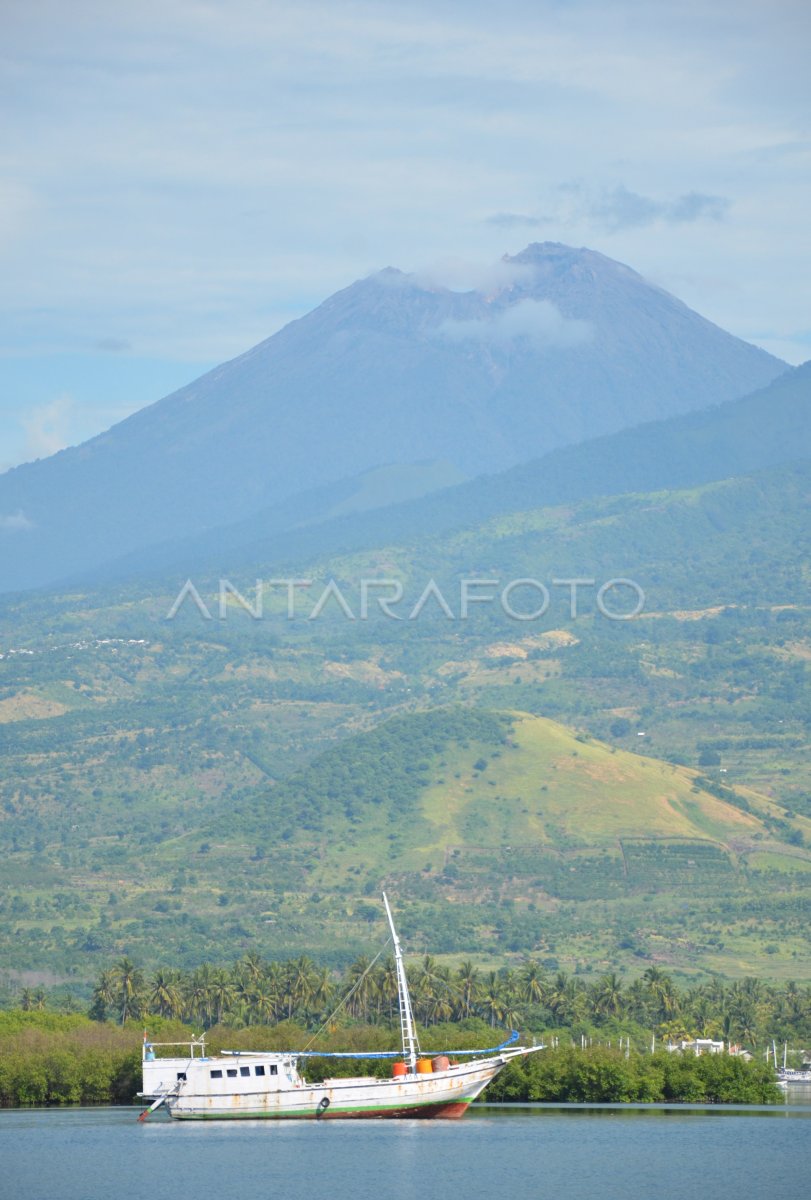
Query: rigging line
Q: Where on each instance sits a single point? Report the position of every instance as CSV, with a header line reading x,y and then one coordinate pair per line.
x,y
347,997
514,1035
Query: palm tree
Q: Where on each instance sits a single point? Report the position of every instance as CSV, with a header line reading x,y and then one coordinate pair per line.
x,y
199,995
728,1026
509,983
263,1003
299,975
703,1015
104,996
492,1000
223,993
421,987
565,999
358,982
792,998
387,988
164,994
128,982
674,1031
510,1014
276,983
243,992
607,995
431,980
532,982
443,995
663,992
322,992
251,967
441,1007
468,986
789,1005
741,1017
638,1003
754,989
748,1025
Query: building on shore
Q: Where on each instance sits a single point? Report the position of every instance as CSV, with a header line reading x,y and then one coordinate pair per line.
x,y
699,1046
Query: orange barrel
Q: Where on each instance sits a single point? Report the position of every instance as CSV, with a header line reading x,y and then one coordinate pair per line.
x,y
440,1063
424,1066
399,1069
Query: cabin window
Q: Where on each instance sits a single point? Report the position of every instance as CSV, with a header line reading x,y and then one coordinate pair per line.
x,y
259,1070
231,1072
216,1074
244,1070
181,1074
274,1070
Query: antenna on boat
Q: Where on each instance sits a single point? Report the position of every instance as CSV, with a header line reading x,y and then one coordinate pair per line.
x,y
411,1046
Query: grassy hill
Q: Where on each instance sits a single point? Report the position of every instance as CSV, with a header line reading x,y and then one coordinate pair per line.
x,y
439,782
499,833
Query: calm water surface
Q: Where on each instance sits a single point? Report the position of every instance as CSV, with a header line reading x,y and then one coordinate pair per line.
x,y
564,1153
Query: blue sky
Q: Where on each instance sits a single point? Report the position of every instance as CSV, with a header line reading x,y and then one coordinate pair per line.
x,y
179,179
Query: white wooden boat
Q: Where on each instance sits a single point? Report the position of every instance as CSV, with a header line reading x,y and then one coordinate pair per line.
x,y
255,1085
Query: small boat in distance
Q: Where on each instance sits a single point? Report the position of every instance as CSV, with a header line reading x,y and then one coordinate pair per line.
x,y
788,1076
255,1085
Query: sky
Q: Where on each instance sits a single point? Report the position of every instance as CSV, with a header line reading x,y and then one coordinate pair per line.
x,y
181,178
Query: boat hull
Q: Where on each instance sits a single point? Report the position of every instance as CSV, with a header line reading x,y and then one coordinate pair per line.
x,y
444,1095
439,1111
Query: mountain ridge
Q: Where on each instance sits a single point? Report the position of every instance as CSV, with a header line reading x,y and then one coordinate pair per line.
x,y
768,428
392,369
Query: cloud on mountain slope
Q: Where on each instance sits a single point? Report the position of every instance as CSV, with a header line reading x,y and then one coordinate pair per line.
x,y
539,321
16,522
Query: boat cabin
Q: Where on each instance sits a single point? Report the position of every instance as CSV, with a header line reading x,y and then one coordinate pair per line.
x,y
243,1072
237,1072
161,1073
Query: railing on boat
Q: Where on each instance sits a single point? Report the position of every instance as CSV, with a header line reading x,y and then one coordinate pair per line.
x,y
192,1044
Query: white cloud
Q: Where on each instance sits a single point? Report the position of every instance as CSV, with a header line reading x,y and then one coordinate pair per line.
x,y
510,220
538,321
616,209
47,428
461,275
15,522
624,209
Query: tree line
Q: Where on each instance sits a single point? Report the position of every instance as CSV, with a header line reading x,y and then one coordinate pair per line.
x,y
253,992
605,1075
52,1059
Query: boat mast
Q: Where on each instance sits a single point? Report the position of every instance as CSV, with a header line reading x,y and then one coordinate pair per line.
x,y
411,1046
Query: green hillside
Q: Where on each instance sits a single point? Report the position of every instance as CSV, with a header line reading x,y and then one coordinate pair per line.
x,y
498,832
188,789
424,789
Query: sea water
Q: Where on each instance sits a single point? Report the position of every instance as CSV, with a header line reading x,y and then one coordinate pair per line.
x,y
494,1153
